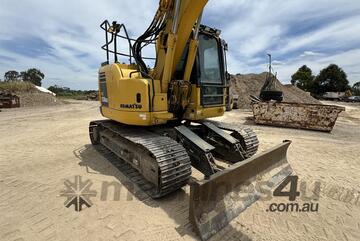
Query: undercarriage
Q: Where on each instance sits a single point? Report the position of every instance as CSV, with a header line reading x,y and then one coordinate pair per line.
x,y
164,155
159,160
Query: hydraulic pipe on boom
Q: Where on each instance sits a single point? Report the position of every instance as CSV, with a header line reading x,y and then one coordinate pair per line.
x,y
185,13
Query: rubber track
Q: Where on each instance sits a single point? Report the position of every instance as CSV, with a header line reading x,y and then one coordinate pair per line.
x,y
250,141
172,158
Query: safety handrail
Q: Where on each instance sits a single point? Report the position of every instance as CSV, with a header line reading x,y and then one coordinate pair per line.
x,y
112,32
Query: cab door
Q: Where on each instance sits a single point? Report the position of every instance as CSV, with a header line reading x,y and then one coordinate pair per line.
x,y
212,73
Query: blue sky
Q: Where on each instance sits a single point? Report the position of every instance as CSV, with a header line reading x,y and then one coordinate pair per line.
x,y
63,38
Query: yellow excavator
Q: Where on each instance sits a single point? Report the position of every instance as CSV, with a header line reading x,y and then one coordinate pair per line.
x,y
157,118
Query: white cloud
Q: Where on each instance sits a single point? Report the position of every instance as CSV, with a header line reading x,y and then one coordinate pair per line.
x,y
310,54
339,34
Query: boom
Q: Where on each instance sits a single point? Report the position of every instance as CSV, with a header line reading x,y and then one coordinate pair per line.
x,y
172,26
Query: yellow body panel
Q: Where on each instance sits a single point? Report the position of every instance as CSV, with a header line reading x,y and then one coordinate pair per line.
x,y
195,111
137,118
123,86
122,104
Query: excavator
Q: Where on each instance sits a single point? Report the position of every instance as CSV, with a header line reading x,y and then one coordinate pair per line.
x,y
158,118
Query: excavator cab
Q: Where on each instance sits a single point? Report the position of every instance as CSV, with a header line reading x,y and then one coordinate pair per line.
x,y
209,75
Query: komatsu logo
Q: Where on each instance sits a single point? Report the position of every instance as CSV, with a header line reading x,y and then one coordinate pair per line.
x,y
130,106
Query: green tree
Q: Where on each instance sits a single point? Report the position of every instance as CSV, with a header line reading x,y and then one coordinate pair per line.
x,y
303,78
11,75
356,88
33,75
331,79
58,89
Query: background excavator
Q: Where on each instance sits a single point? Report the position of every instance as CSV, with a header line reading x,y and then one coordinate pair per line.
x,y
157,118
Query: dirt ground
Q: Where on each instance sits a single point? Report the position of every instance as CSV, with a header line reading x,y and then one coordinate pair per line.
x,y
40,148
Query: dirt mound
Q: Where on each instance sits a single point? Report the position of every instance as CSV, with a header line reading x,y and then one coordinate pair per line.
x,y
250,84
37,98
29,94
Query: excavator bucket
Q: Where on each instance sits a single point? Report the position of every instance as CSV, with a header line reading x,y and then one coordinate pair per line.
x,y
216,201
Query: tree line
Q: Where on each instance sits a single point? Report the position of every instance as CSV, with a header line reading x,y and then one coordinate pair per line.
x,y
32,75
67,92
330,79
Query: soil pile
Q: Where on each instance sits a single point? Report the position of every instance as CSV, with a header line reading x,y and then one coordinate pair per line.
x,y
37,98
251,84
29,94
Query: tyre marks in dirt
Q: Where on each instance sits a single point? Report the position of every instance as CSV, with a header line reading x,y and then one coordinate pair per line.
x,y
28,211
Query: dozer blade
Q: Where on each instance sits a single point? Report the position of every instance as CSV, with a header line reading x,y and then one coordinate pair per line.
x,y
216,201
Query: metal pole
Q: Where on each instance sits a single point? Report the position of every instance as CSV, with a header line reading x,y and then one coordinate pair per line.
x,y
115,48
107,41
197,28
269,63
176,16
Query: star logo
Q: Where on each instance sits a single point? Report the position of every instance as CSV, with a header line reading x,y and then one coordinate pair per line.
x,y
78,193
